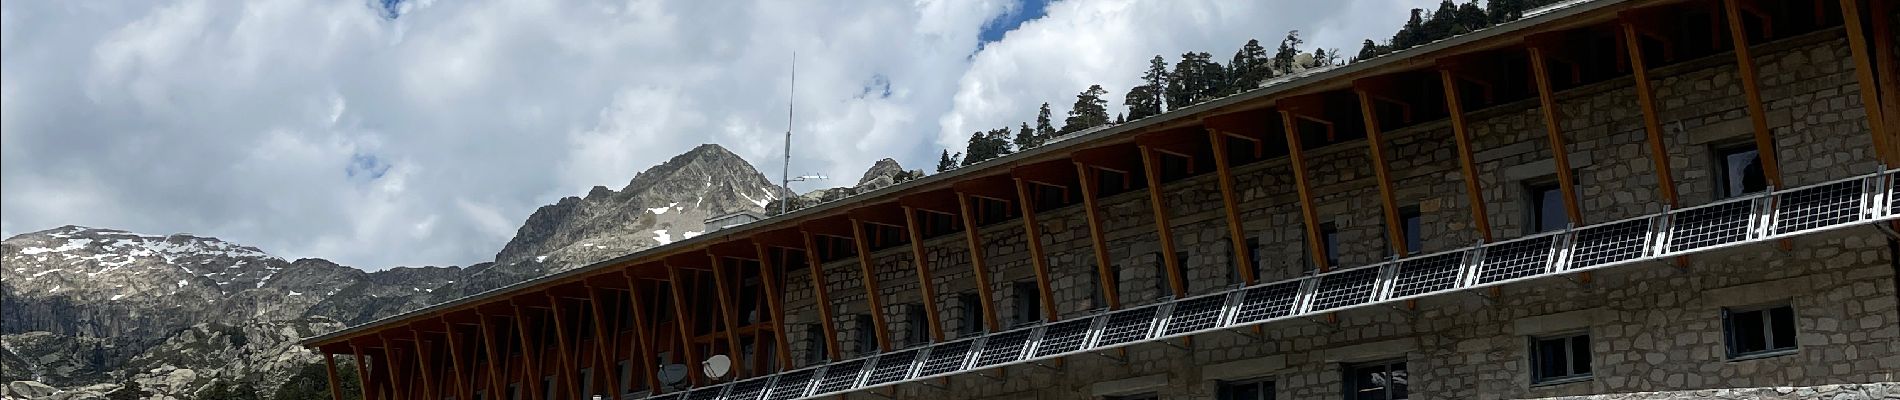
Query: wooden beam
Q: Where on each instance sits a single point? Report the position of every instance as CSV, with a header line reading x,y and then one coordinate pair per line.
x,y
1757,114
389,361
775,304
974,239
1652,120
1152,170
919,257
1553,130
871,293
727,309
1469,169
329,369
1309,213
362,371
422,361
1033,234
1375,141
643,334
604,362
530,365
683,319
1889,76
568,363
1103,267
824,297
455,359
1870,93
495,358
1236,233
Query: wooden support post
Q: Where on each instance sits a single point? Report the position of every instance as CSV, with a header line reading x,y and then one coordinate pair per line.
x,y
1032,232
1309,213
362,371
455,359
871,293
1375,141
1469,168
775,304
389,361
496,358
1889,75
329,368
919,256
1103,267
643,335
982,274
531,366
1553,130
1652,121
1236,232
568,364
1152,169
1870,93
1757,114
684,319
818,288
422,364
604,362
722,286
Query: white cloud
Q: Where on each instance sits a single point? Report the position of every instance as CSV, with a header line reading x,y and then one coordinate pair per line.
x,y
318,128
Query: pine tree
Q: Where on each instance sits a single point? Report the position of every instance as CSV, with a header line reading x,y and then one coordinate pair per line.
x,y
1283,59
1368,50
1324,58
1146,99
1045,130
1412,34
978,149
1249,67
1089,111
1471,17
945,163
1025,138
1196,78
1119,119
1502,11
999,140
1443,22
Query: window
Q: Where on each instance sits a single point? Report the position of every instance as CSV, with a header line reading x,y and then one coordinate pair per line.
x,y
1329,243
1163,288
1739,170
1560,359
1759,331
970,310
1252,244
1545,202
816,334
867,334
1259,389
916,325
1028,302
1376,381
1409,226
1143,396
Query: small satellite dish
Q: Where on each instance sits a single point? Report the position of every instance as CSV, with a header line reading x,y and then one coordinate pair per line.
x,y
672,373
717,366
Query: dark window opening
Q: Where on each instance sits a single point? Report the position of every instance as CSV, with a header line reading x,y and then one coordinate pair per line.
x,y
1028,302
1739,170
1409,226
916,325
1110,183
1545,202
1376,381
1245,390
867,334
819,346
1143,396
970,309
1048,197
991,211
1329,243
1759,331
933,224
1174,167
1560,359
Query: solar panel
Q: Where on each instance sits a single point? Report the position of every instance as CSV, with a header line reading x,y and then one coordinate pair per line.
x,y
1003,348
791,385
840,376
1194,314
1127,326
706,393
1262,303
892,367
1604,244
1893,194
1516,259
749,389
947,357
1709,226
1063,337
1818,206
668,396
1346,288
1428,274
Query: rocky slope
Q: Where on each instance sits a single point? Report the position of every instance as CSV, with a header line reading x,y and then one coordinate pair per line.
x,y
885,172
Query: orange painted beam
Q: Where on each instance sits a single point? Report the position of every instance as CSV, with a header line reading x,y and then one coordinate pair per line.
x,y
872,294
920,258
1889,74
362,371
1104,269
775,303
1553,132
980,273
1230,203
1870,97
643,335
1751,90
604,362
568,364
1033,234
530,365
329,368
455,359
389,361
1461,135
727,309
1375,146
1309,213
495,356
1652,121
818,284
684,319
422,364
1163,231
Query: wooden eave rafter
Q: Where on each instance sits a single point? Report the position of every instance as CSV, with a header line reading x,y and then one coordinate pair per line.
x,y
885,214
1060,174
941,201
1119,159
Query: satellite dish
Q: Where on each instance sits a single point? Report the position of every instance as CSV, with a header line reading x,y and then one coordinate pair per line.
x,y
672,373
717,366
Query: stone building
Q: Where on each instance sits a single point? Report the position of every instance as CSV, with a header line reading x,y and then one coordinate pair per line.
x,y
1601,199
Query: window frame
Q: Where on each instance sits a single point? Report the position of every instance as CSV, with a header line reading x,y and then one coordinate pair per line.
x,y
1569,347
1412,229
1720,153
971,312
1729,343
1265,385
1349,389
1028,302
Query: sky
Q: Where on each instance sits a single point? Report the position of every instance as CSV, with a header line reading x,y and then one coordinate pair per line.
x,y
381,133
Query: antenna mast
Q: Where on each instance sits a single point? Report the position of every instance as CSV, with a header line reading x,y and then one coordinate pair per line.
x,y
785,175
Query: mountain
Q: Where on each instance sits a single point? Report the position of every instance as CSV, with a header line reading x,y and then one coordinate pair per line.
x,y
883,173
85,312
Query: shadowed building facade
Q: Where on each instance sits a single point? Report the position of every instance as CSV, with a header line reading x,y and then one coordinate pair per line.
x,y
1605,197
